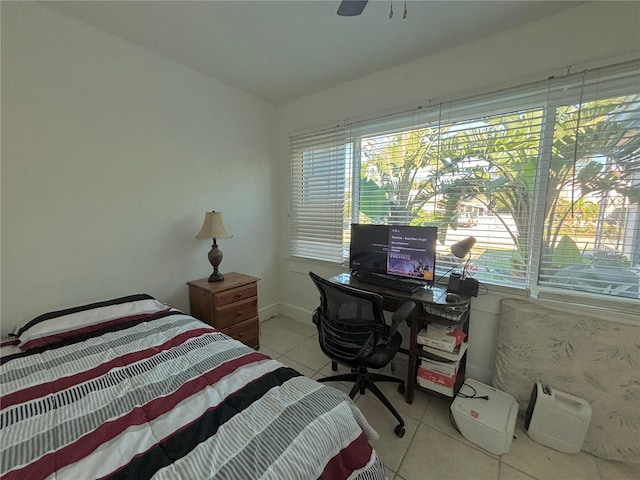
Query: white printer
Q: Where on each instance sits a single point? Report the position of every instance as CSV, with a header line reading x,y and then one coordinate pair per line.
x,y
485,416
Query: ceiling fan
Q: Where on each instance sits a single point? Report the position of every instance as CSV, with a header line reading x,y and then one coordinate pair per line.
x,y
351,8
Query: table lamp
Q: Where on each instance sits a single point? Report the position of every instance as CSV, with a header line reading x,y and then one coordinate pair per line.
x,y
462,248
214,228
458,283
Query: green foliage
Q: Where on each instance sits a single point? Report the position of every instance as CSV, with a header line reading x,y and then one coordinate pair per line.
x,y
397,161
372,200
495,161
567,253
500,265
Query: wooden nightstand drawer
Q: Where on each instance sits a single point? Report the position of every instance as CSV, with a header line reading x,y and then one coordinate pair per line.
x,y
230,305
236,295
201,305
247,332
236,313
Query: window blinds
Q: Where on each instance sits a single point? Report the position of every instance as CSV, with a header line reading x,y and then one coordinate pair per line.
x,y
592,198
545,176
319,187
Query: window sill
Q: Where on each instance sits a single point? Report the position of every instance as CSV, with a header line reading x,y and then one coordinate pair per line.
x,y
611,306
303,265
624,309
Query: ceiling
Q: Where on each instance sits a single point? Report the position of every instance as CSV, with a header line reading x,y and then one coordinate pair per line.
x,y
283,50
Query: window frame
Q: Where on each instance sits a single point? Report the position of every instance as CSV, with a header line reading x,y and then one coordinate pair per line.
x,y
546,96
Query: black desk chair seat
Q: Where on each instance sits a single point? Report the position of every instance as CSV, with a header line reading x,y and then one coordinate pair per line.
x,y
352,331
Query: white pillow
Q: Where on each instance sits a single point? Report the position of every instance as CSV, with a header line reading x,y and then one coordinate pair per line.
x,y
86,320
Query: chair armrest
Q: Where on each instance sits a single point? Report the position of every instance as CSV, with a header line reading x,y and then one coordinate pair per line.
x,y
401,315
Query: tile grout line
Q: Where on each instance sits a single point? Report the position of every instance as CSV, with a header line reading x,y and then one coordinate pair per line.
x,y
406,450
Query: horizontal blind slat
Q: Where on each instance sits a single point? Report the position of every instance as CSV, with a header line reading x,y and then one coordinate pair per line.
x,y
548,171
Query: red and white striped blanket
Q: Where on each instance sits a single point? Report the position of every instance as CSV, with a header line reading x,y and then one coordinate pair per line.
x,y
165,396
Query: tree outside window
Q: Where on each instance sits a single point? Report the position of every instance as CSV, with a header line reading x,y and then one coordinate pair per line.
x,y
549,189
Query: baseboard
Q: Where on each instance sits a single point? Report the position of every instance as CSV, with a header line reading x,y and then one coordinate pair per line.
x,y
292,311
270,311
297,313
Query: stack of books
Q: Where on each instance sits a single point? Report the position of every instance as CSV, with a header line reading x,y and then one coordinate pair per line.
x,y
441,337
438,372
457,353
445,347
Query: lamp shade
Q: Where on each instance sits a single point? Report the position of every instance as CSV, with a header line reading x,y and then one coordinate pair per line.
x,y
462,248
213,227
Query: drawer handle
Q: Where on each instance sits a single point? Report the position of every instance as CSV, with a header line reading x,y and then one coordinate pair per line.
x,y
238,295
239,313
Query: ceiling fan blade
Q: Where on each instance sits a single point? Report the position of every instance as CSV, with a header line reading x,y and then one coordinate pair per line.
x,y
351,8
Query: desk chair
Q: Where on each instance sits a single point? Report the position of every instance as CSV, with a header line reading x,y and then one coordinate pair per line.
x,y
352,331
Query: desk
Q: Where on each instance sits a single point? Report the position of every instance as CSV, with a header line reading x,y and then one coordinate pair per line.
x,y
428,302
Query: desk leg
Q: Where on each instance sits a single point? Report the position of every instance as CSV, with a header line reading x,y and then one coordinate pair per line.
x,y
414,322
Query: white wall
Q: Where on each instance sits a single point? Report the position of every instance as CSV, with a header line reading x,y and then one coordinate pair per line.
x,y
594,33
111,155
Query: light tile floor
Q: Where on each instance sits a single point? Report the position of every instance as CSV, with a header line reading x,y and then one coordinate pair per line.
x,y
431,447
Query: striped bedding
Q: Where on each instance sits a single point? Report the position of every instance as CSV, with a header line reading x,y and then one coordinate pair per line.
x,y
168,397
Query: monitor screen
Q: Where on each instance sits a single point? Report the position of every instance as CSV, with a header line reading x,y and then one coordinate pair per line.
x,y
369,248
412,251
400,250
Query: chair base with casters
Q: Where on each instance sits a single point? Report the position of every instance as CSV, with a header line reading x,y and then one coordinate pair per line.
x,y
352,331
364,380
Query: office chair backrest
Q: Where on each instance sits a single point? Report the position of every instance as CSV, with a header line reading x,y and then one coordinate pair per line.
x,y
350,321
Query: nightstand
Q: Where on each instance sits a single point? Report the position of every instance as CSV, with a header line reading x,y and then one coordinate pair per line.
x,y
231,306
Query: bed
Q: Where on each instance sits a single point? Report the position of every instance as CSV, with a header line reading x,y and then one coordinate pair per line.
x,y
132,388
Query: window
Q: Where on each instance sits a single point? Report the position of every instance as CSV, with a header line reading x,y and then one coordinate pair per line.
x,y
546,177
318,196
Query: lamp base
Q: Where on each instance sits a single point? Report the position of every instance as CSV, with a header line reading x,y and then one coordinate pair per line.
x,y
216,277
215,257
464,286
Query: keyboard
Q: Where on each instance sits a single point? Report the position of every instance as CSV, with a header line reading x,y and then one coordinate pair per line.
x,y
388,282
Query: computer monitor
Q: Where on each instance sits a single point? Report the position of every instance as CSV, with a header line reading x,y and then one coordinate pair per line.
x,y
369,248
399,250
